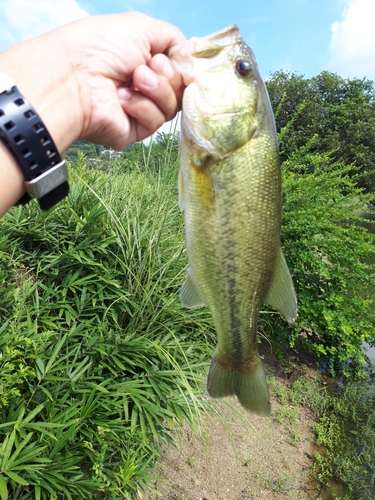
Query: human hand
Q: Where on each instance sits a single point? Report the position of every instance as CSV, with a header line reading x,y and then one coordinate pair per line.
x,y
103,78
127,86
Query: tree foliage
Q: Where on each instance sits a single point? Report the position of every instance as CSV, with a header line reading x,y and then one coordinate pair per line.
x,y
339,112
327,246
88,148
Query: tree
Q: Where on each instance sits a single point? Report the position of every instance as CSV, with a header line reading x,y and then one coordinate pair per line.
x,y
338,112
326,248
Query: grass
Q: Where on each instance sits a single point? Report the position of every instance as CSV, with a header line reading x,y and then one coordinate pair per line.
x,y
345,428
98,358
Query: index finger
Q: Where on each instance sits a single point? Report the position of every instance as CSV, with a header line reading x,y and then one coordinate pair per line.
x,y
162,36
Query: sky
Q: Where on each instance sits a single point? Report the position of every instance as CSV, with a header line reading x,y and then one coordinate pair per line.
x,y
301,36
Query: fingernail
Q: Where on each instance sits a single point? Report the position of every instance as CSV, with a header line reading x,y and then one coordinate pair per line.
x,y
148,77
167,69
124,93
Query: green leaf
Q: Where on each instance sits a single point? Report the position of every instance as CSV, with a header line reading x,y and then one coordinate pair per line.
x,y
6,449
37,492
15,477
3,488
40,368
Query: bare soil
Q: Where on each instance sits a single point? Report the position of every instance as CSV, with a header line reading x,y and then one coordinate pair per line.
x,y
239,456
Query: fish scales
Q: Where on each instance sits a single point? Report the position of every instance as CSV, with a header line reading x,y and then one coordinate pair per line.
x,y
230,190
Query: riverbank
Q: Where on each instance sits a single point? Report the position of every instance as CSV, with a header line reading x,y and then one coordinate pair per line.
x,y
237,456
319,443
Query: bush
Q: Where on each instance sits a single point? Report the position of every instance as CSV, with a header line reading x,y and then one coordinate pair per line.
x,y
326,248
345,427
98,358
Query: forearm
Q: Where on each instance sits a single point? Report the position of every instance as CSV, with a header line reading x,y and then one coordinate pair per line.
x,y
36,69
41,70
12,181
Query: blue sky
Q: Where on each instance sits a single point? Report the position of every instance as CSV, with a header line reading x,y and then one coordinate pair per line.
x,y
303,36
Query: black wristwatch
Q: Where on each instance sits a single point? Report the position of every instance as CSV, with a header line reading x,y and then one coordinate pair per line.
x,y
27,138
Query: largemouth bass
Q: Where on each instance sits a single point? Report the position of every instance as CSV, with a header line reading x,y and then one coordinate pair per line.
x,y
230,190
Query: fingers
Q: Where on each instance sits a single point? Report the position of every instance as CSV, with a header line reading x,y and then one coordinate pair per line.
x,y
155,97
161,65
161,83
144,115
161,35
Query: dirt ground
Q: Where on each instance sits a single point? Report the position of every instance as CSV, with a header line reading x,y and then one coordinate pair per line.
x,y
239,456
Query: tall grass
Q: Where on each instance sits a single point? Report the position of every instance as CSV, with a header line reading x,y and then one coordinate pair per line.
x,y
98,360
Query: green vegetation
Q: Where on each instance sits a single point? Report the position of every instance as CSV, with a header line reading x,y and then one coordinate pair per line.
x,y
344,450
326,131
98,358
326,247
89,149
345,428
339,112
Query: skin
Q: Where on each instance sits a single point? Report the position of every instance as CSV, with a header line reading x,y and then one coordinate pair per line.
x,y
105,79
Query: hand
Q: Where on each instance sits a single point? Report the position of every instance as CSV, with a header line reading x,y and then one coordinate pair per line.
x,y
127,86
105,79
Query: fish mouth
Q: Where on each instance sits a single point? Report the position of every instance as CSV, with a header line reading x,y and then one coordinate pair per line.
x,y
212,45
229,31
183,55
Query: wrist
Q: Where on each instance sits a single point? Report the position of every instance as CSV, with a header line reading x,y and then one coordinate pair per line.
x,y
39,69
12,185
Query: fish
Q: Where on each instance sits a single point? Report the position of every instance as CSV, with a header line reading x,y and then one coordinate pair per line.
x,y
230,192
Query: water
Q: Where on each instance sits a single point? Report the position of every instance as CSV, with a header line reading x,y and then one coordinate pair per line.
x,y
370,352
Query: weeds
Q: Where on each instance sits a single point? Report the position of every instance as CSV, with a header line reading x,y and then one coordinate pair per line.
x,y
98,358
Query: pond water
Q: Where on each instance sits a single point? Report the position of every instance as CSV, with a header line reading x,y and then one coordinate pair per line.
x,y
370,352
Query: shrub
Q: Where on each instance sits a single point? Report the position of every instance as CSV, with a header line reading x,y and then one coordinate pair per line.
x,y
99,359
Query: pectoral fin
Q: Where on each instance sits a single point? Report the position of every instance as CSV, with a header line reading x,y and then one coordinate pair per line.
x,y
281,295
189,294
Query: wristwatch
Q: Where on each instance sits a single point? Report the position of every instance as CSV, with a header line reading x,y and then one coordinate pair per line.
x,y
27,138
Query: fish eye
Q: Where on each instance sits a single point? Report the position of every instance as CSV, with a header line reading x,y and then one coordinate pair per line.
x,y
244,67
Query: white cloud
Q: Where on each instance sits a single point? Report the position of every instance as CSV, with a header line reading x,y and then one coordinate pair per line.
x,y
352,48
23,19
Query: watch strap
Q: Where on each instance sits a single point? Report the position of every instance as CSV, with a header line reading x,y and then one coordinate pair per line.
x,y
26,136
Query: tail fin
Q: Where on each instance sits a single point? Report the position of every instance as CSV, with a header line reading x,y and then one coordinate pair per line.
x,y
249,386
